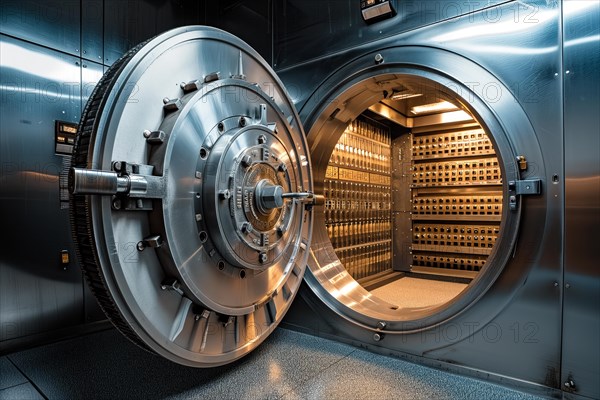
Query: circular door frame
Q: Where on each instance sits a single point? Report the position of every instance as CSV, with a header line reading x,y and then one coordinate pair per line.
x,y
502,117
124,234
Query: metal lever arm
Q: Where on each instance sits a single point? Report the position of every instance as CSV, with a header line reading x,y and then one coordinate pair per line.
x,y
304,197
269,196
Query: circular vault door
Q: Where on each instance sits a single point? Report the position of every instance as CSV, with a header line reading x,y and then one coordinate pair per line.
x,y
192,196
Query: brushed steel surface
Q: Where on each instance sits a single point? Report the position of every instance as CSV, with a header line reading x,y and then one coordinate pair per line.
x,y
305,30
37,87
92,25
50,23
507,71
581,319
91,73
251,20
185,277
127,23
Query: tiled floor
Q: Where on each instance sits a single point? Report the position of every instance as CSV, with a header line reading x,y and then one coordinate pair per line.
x,y
289,365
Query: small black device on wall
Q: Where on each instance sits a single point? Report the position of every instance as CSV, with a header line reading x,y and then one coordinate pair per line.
x,y
376,10
64,135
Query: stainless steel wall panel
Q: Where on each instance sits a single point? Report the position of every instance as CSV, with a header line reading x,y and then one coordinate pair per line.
x,y
51,23
581,320
531,69
129,22
37,87
478,37
305,30
126,24
237,16
92,24
90,75
171,14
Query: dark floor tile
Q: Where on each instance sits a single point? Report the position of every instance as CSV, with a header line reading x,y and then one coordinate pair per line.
x,y
20,392
9,375
105,365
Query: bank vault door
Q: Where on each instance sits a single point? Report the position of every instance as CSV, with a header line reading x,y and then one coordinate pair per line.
x,y
191,196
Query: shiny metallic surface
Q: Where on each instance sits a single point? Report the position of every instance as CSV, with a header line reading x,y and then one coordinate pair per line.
x,y
96,182
246,196
92,26
208,266
37,293
91,73
127,23
506,71
252,20
581,320
54,24
306,30
268,196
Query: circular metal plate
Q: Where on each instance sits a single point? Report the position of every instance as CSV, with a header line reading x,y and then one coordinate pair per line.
x,y
195,254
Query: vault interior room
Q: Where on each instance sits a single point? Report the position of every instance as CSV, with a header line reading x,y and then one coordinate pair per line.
x,y
300,199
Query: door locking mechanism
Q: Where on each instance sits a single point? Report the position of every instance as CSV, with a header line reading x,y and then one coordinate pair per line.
x,y
309,199
135,181
532,186
270,196
132,186
522,187
302,197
